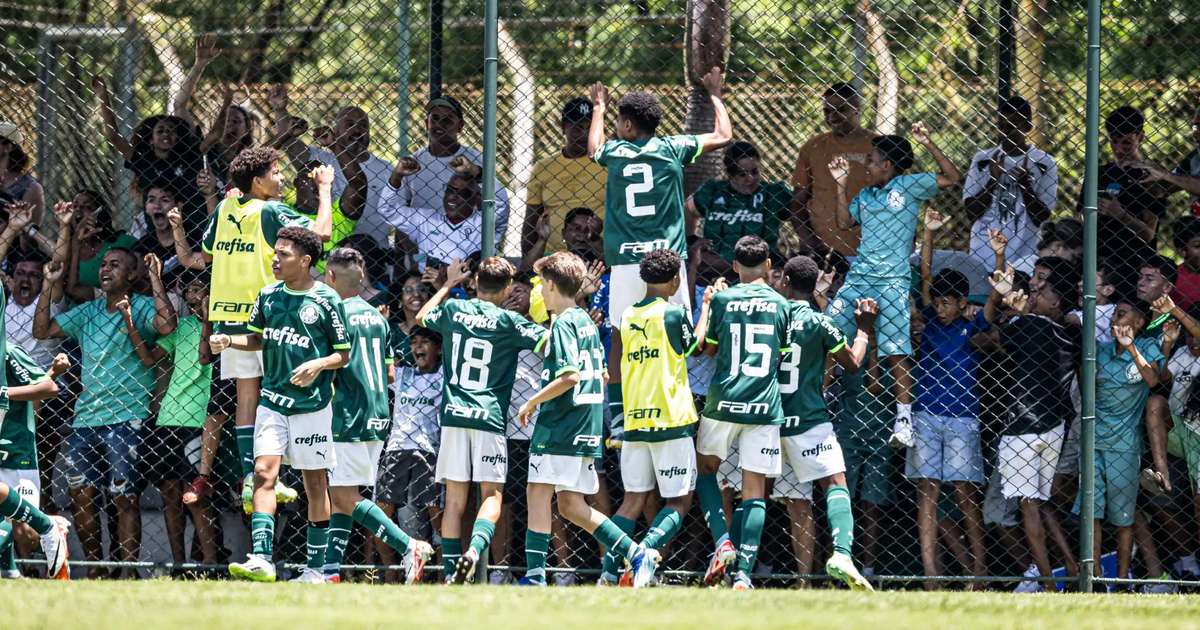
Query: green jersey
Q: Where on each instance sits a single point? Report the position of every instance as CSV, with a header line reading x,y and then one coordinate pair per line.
x,y
748,323
297,326
643,199
573,423
3,348
480,343
811,336
18,437
360,401
730,215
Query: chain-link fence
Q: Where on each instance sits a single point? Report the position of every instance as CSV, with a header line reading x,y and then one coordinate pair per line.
x,y
956,130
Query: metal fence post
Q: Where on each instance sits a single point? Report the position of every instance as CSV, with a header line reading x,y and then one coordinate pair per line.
x,y
490,61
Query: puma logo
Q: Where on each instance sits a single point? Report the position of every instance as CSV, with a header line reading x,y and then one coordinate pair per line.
x,y
235,221
320,453
642,329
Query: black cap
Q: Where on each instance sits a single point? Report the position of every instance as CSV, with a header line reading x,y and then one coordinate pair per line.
x,y
445,101
576,110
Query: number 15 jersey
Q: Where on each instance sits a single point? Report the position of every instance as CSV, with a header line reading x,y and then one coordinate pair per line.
x,y
480,344
749,325
643,198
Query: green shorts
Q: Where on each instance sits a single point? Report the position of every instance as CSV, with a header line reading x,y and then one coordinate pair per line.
x,y
1184,442
1116,486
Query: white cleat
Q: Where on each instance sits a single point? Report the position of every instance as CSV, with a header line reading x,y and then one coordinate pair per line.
x,y
419,552
54,545
842,567
309,576
255,569
645,566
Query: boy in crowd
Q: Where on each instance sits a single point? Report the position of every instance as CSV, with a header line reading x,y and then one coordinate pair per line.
x,y
20,485
102,452
1184,438
481,342
570,433
657,451
406,467
809,443
643,202
947,448
747,333
887,210
299,326
360,422
239,244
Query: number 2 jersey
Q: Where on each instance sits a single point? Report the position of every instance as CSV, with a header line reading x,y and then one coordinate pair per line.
x,y
572,423
748,323
811,337
360,401
480,344
643,198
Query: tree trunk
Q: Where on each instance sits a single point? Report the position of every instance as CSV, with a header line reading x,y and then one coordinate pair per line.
x,y
1030,62
522,105
707,45
888,91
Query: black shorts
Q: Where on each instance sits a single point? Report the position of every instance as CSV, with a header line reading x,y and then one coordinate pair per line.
x,y
406,478
164,453
222,399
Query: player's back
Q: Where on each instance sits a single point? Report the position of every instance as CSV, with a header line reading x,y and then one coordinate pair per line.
x,y
811,337
748,323
644,196
360,401
572,423
481,342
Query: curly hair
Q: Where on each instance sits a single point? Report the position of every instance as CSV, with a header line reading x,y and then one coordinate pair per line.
x,y
305,240
251,163
642,109
659,267
801,273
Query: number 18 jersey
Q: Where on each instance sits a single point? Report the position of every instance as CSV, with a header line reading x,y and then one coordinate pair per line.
x,y
749,325
480,344
643,198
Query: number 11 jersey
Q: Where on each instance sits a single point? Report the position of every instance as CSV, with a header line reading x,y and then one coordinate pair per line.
x,y
480,344
749,325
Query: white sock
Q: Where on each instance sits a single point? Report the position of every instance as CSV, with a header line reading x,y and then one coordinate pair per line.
x,y
904,411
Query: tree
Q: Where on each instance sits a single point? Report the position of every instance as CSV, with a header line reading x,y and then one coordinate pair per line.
x,y
706,45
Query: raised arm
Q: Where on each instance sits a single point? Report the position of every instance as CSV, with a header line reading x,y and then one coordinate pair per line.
x,y
323,225
934,221
1124,338
839,168
206,51
165,319
599,95
852,357
111,133
455,274
1002,285
147,355
1166,306
702,324
722,131
44,327
354,197
183,249
999,244
537,248
949,175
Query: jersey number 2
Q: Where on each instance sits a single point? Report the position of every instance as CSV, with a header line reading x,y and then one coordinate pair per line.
x,y
644,172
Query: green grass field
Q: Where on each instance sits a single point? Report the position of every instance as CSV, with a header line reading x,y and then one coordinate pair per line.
x,y
150,605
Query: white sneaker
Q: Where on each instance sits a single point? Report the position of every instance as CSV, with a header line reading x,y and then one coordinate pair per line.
x,y
742,582
842,567
14,574
1030,586
419,552
564,579
54,545
902,434
256,569
1186,567
309,576
499,577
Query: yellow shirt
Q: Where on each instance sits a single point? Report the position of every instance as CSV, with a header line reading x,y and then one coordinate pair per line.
x,y
656,338
560,184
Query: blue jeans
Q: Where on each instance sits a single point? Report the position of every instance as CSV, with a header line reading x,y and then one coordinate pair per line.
x,y
105,457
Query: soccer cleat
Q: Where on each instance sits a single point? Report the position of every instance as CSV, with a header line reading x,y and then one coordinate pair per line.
x,y
419,552
54,544
255,569
309,576
643,566
283,494
11,574
902,434
333,579
841,566
464,569
528,581
607,579
724,556
199,488
742,582
499,578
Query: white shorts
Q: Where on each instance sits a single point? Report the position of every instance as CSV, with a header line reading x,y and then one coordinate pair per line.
x,y
814,454
471,455
357,464
240,364
25,482
669,466
758,444
625,288
304,440
1027,463
566,473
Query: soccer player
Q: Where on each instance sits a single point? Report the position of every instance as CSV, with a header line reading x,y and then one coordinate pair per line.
x,y
748,333
887,210
20,485
239,243
657,450
360,423
643,199
299,326
569,431
481,342
809,443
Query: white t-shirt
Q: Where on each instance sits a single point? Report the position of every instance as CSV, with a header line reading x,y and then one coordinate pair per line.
x,y
19,326
1007,212
415,423
377,170
427,187
1184,367
1104,315
527,383
433,234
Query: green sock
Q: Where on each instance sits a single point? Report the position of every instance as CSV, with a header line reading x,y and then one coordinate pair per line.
x,y
735,525
262,534
611,536
20,510
612,564
709,492
841,518
666,525
8,559
339,537
481,535
616,407
245,447
318,541
451,552
536,546
372,517
755,512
